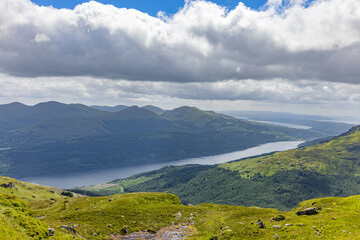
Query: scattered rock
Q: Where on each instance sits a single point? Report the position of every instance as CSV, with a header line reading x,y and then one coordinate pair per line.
x,y
276,236
277,226
51,231
8,185
307,211
333,218
260,224
125,230
33,196
313,227
289,225
52,191
68,228
278,218
111,199
151,231
109,225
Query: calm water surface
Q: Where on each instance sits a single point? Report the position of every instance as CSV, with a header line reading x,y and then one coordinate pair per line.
x,y
4,149
289,125
78,179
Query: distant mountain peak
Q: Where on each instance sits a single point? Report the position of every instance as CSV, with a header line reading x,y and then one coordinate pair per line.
x,y
14,105
189,114
153,109
135,112
49,103
116,108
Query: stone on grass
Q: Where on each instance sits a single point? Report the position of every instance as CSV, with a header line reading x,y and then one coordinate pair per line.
x,y
307,211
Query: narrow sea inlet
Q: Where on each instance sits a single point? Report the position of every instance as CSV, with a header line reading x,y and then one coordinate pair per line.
x,y
78,179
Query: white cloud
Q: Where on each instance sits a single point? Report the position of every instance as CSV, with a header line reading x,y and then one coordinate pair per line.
x,y
91,89
202,42
40,37
204,55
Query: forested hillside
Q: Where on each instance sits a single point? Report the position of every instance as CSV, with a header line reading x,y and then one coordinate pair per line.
x,y
278,180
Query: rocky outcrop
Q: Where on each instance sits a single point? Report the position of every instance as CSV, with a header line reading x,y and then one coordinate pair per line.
x,y
307,211
260,224
8,185
70,228
51,232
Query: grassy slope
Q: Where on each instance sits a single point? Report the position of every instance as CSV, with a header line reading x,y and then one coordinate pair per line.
x,y
339,156
338,217
16,217
151,211
16,222
138,211
28,192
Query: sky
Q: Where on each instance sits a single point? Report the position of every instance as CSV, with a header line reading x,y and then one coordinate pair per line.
x,y
292,55
150,7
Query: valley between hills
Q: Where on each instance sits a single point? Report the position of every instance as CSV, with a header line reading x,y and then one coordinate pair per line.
x,y
53,137
305,193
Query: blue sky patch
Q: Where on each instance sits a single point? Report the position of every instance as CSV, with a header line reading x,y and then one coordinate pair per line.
x,y
151,7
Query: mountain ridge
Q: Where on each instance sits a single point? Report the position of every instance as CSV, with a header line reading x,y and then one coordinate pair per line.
x,y
59,137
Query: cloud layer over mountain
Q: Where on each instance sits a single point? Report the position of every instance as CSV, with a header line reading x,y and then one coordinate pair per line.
x,y
202,42
288,52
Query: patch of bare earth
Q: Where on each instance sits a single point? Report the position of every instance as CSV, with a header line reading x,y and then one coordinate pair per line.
x,y
172,232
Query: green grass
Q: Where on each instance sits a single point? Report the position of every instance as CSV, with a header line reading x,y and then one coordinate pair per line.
x,y
339,156
93,215
338,219
112,187
16,221
151,211
98,218
29,192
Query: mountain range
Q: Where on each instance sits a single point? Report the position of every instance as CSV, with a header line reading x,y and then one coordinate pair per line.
x,y
53,137
145,206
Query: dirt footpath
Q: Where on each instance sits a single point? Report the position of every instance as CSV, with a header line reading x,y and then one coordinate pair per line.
x,y
173,232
